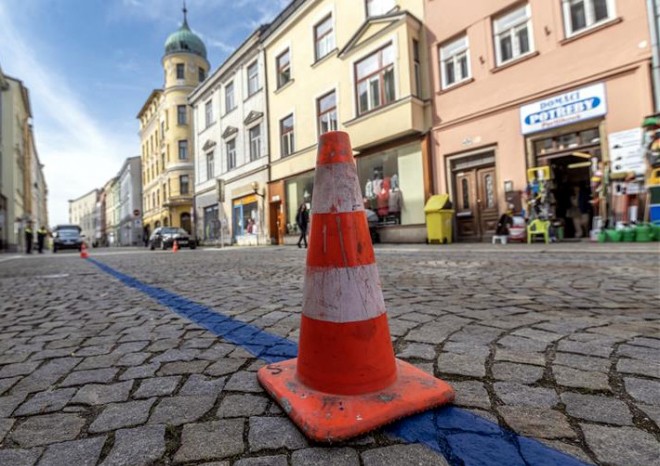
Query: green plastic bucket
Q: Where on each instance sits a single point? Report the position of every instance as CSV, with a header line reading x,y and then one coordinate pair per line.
x,y
602,236
643,233
629,235
613,236
655,226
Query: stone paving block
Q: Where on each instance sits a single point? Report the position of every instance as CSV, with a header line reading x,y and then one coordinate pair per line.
x,y
140,446
634,366
586,348
83,452
515,343
536,359
119,415
652,412
216,352
278,460
101,394
602,409
46,402
622,446
537,422
586,363
139,372
5,426
244,405
183,367
46,375
16,457
133,359
179,410
647,342
569,377
157,386
637,352
211,440
89,376
22,368
463,347
461,364
402,455
517,372
471,393
98,362
9,403
198,384
646,391
6,384
512,393
270,433
176,355
328,456
132,347
243,381
46,429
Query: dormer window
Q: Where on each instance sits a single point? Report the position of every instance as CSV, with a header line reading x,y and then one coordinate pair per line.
x,y
379,7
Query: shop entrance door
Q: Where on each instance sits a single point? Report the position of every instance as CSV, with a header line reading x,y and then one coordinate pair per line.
x,y
476,203
276,223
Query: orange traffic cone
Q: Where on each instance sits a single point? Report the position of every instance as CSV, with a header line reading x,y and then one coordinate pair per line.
x,y
175,246
346,380
83,251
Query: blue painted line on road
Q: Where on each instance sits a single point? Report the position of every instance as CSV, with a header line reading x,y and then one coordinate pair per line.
x,y
463,438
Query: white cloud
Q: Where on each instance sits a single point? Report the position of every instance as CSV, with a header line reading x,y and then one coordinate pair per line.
x,y
79,152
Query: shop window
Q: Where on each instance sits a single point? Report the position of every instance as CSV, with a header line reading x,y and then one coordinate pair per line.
x,y
286,136
379,7
253,78
513,35
183,149
580,15
326,110
184,184
466,193
283,68
231,154
210,165
255,142
324,38
455,62
375,80
298,190
567,141
181,117
230,102
211,223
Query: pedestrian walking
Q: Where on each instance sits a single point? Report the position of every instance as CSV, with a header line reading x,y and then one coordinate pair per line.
x,y
302,219
29,236
41,238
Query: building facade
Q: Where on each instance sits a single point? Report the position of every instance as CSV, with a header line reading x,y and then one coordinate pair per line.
x,y
231,149
83,212
359,68
166,135
521,85
129,182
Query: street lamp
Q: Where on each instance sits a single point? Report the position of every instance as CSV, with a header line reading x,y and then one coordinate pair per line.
x,y
262,195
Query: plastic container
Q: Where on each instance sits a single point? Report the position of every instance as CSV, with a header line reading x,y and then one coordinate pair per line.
x,y
439,217
614,236
643,233
629,235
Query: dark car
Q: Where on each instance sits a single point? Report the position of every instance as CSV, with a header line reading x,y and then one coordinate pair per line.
x,y
67,237
164,237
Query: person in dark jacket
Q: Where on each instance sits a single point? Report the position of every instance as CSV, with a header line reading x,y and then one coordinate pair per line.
x,y
302,220
29,236
41,238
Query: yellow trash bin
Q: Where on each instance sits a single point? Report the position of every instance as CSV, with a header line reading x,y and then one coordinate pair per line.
x,y
439,218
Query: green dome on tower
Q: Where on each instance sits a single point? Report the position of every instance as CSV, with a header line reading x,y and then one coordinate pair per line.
x,y
185,41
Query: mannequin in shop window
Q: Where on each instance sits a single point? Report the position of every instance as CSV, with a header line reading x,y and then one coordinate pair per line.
x,y
383,199
395,201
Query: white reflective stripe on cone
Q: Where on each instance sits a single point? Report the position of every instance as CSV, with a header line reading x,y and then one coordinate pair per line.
x,y
349,294
336,189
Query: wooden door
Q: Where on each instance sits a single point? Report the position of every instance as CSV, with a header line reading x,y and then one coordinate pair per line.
x,y
487,201
467,215
276,224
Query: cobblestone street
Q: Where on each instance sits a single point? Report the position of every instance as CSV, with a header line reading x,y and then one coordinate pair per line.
x,y
558,343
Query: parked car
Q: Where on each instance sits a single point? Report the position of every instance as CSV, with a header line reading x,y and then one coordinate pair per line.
x,y
67,237
164,237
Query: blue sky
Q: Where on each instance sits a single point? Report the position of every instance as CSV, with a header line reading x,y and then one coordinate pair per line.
x,y
91,64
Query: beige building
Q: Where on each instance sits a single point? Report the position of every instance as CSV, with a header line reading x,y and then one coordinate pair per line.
x,y
166,134
357,67
83,211
537,83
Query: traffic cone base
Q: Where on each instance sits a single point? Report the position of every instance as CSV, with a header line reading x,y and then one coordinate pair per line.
x,y
83,252
326,417
175,246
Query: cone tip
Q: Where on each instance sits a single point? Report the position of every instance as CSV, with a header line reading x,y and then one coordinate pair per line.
x,y
334,147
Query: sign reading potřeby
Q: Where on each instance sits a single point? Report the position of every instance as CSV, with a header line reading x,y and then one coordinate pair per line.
x,y
564,109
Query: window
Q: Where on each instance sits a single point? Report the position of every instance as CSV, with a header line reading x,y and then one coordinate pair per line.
x,y
286,136
180,71
253,78
512,35
454,62
583,14
209,166
230,103
283,68
181,114
208,111
375,80
162,129
466,193
231,154
162,162
184,184
183,149
255,142
418,71
326,111
201,74
324,38
379,7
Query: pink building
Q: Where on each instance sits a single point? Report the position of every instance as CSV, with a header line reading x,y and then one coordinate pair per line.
x,y
529,84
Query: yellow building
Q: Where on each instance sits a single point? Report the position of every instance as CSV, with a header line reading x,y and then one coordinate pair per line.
x,y
166,134
358,67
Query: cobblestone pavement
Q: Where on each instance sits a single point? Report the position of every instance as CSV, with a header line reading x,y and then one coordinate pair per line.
x,y
560,343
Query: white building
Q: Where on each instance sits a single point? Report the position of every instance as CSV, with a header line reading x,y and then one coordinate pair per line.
x,y
83,212
129,209
231,149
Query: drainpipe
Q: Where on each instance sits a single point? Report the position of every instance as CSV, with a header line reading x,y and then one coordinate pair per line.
x,y
653,7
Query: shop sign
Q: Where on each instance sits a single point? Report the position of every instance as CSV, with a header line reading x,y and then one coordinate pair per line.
x,y
563,109
627,151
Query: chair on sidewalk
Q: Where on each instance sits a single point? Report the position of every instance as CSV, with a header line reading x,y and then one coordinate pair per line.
x,y
501,238
538,227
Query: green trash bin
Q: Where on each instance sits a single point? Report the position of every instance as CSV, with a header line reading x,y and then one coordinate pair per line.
x,y
439,218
